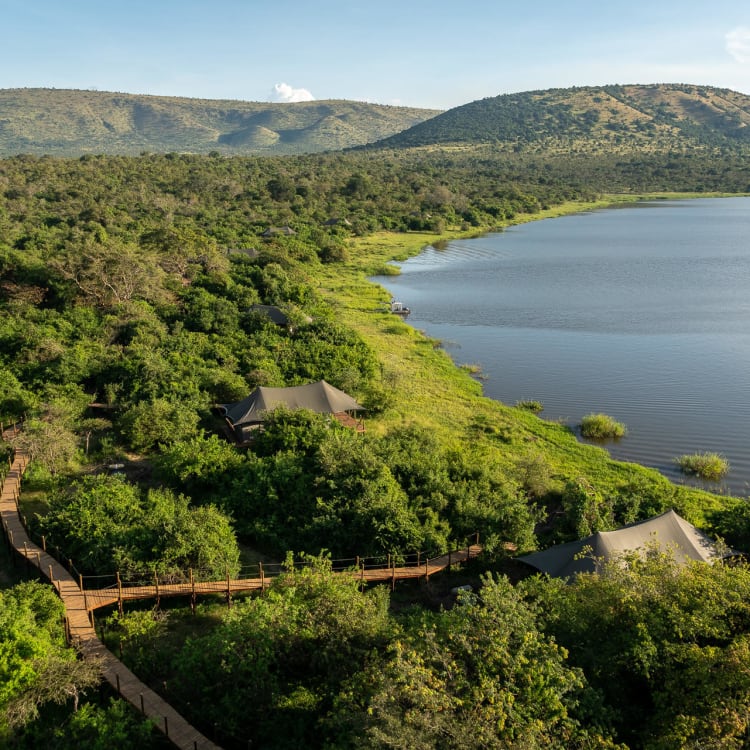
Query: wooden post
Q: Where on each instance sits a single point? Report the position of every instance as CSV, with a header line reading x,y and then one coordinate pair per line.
x,y
393,575
262,576
389,559
51,578
166,727
39,560
70,566
476,538
192,591
119,592
156,584
44,543
426,569
143,709
229,591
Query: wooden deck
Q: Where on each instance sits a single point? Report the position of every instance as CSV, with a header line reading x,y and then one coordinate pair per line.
x,y
79,627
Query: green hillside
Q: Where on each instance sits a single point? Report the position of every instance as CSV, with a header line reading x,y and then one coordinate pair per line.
x,y
73,123
593,120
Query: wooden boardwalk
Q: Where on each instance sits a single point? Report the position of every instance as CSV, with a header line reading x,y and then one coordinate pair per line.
x,y
96,598
80,629
80,603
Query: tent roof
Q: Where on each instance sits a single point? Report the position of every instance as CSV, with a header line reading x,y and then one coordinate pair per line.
x,y
668,530
319,397
273,313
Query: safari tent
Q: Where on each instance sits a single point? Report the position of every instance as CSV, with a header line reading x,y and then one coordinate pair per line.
x,y
668,531
321,397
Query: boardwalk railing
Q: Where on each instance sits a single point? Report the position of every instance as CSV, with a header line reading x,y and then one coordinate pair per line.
x,y
106,590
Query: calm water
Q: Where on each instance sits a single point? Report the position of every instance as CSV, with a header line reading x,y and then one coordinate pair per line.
x,y
640,312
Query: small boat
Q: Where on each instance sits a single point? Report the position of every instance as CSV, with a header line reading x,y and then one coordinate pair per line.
x,y
399,308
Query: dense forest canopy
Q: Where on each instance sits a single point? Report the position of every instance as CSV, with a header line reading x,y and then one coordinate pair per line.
x,y
127,287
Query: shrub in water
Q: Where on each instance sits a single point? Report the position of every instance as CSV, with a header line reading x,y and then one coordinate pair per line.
x,y
704,465
530,405
599,426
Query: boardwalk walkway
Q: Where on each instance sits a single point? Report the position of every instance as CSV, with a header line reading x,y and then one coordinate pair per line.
x,y
79,620
81,602
117,594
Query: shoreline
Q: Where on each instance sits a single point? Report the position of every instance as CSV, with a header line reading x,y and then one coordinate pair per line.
x,y
428,389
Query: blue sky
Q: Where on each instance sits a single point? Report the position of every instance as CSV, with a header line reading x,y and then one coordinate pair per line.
x,y
421,53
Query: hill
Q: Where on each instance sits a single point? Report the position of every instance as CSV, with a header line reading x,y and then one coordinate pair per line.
x,y
73,123
600,119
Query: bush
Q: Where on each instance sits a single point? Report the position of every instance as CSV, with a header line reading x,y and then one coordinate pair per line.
x,y
531,405
704,465
600,426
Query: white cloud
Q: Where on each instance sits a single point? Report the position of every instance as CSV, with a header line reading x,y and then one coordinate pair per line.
x,y
738,44
283,92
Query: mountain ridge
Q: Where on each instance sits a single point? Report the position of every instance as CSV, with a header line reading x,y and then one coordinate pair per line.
x,y
73,122
582,120
647,116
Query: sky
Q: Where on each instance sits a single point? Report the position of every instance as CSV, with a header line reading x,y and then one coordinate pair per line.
x,y
416,53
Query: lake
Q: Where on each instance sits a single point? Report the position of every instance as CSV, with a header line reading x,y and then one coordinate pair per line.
x,y
640,312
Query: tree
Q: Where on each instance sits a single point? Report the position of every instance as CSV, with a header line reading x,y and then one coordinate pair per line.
x,y
158,422
35,666
664,644
285,654
108,272
105,523
49,440
479,675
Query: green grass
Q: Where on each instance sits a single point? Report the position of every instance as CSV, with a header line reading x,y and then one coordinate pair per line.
x,y
704,465
601,427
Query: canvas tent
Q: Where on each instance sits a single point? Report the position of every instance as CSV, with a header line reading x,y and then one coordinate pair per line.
x,y
277,315
669,531
321,397
274,314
